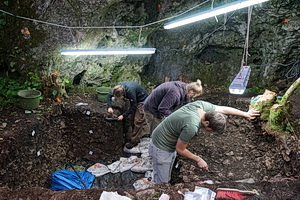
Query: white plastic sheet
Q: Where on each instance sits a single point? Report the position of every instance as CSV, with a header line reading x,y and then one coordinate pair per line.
x,y
98,169
143,184
144,164
132,150
128,163
200,193
112,196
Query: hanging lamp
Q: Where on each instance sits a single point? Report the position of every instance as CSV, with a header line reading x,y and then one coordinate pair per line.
x,y
79,52
213,12
239,83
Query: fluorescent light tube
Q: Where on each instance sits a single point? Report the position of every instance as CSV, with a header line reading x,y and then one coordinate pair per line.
x,y
239,83
213,12
78,52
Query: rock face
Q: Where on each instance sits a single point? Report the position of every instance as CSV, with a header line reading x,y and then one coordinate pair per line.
x,y
211,50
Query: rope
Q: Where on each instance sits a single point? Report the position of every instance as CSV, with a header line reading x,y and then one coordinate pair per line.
x,y
212,6
139,41
245,53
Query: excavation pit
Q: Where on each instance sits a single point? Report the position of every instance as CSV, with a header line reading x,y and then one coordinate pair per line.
x,y
34,146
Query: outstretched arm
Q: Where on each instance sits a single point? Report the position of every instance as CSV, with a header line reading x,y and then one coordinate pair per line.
x,y
251,114
182,150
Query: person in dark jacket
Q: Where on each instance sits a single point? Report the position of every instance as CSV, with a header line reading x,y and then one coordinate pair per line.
x,y
166,97
136,95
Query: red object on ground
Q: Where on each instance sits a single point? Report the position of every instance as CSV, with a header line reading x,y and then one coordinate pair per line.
x,y
226,195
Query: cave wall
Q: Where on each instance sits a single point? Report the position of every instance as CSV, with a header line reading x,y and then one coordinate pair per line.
x,y
213,51
210,50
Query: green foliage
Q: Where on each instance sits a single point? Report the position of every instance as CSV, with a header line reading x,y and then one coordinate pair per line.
x,y
297,92
8,91
10,87
155,197
297,121
65,82
82,89
54,92
33,82
289,127
255,90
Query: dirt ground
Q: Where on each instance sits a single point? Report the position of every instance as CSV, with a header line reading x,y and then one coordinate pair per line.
x,y
35,145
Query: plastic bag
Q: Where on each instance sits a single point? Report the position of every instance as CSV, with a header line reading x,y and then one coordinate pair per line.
x,y
112,196
200,193
128,163
98,169
114,167
144,164
143,184
132,150
65,179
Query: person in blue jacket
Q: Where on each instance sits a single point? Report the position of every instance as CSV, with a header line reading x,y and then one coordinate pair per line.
x,y
136,95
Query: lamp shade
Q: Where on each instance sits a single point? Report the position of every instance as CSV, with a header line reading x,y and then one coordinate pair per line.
x,y
78,52
239,83
213,12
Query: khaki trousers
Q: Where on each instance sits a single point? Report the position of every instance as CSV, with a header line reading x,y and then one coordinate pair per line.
x,y
152,121
137,121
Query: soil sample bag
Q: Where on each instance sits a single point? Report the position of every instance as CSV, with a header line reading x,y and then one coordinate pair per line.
x,y
200,193
98,169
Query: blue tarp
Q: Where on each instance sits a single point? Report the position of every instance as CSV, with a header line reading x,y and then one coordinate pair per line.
x,y
65,179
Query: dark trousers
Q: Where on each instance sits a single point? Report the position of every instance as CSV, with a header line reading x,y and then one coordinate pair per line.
x,y
137,121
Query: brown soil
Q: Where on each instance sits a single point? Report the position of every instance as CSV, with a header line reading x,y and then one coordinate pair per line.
x,y
61,133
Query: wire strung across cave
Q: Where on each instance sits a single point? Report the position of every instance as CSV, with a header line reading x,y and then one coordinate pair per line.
x,y
101,27
293,72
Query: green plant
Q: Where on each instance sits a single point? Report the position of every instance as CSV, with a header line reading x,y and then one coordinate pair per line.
x,y
289,127
155,197
10,87
64,84
297,121
33,82
8,91
255,90
297,92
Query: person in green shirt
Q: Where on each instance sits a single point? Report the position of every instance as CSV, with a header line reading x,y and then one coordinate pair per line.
x,y
174,133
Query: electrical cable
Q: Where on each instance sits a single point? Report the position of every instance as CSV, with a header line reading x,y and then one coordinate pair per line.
x,y
245,53
101,27
212,7
293,72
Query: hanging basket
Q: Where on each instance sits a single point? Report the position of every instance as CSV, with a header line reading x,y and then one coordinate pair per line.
x,y
102,93
29,99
